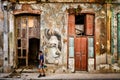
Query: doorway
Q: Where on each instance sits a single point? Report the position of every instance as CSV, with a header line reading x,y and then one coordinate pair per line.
x,y
27,30
33,51
81,29
80,43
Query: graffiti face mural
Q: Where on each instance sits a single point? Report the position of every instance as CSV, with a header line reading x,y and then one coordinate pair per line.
x,y
53,54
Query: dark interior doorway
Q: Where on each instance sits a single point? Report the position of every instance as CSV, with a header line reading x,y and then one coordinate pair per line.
x,y
33,51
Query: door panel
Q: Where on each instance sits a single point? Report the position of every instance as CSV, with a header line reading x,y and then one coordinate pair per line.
x,y
84,53
81,53
77,54
89,24
77,61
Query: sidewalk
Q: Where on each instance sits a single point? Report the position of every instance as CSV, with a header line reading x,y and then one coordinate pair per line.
x,y
68,76
72,76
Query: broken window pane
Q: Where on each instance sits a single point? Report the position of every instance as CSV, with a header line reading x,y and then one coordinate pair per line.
x,y
30,22
24,43
24,22
79,29
79,24
18,32
19,52
24,33
24,52
19,42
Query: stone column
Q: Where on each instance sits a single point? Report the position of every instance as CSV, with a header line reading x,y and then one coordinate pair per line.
x,y
5,38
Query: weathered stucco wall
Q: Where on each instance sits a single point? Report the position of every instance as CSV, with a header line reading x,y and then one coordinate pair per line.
x,y
1,39
115,51
53,29
54,25
53,37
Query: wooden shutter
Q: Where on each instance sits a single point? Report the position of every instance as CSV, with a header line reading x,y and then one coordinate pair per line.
x,y
89,24
71,25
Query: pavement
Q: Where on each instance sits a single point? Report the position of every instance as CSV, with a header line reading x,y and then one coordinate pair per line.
x,y
62,76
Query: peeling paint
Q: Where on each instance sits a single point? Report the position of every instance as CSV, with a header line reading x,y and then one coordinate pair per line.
x,y
54,27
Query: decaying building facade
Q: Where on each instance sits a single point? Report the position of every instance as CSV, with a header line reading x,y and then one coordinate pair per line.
x,y
74,35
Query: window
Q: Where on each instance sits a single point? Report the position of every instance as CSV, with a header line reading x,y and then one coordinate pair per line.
x,y
79,24
84,24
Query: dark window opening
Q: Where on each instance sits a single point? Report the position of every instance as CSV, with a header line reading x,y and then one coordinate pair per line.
x,y
79,24
19,52
19,43
21,62
24,52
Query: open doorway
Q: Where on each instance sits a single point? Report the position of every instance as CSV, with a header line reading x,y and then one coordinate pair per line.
x,y
33,51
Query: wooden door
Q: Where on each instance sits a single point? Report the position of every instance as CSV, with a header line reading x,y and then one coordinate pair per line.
x,y
81,53
27,27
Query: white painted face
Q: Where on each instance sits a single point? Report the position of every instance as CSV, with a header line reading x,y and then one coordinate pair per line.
x,y
53,53
53,41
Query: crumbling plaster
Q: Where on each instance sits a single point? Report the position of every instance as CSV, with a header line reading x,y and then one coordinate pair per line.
x,y
55,19
1,39
115,9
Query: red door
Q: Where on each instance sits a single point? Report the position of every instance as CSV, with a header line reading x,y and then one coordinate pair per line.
x,y
81,53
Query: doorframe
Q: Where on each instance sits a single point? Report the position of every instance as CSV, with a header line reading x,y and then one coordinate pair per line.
x,y
15,38
25,9
87,42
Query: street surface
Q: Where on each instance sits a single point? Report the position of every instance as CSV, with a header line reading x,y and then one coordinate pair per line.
x,y
68,76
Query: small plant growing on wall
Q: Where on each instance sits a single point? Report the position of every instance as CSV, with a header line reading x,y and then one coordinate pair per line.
x,y
75,11
78,10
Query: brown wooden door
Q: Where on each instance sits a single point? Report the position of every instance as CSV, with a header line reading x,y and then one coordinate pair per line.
x,y
27,27
81,53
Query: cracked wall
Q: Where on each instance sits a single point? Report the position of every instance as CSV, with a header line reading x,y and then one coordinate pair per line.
x,y
54,26
115,34
1,39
